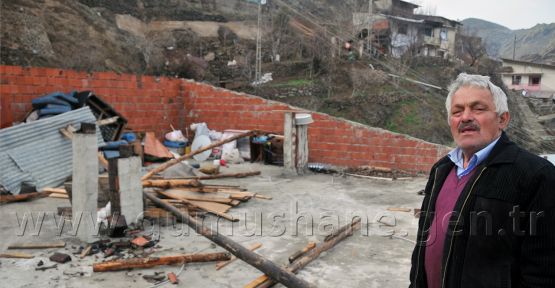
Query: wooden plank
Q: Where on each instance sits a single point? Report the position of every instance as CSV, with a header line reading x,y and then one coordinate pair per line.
x,y
59,196
55,190
197,196
17,255
222,264
149,262
399,209
38,245
214,208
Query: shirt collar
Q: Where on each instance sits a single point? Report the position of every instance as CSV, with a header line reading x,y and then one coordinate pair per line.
x,y
456,156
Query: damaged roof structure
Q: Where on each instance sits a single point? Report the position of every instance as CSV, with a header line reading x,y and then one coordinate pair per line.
x,y
19,146
281,222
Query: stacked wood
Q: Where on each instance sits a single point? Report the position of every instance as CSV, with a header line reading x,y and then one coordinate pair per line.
x,y
191,195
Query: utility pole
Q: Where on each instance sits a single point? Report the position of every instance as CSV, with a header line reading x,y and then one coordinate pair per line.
x,y
258,64
514,48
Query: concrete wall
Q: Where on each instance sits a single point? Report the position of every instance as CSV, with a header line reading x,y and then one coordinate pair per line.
x,y
152,103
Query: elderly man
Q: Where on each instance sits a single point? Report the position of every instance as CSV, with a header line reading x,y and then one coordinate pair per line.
x,y
488,215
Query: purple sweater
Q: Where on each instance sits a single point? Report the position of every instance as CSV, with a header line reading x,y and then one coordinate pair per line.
x,y
450,192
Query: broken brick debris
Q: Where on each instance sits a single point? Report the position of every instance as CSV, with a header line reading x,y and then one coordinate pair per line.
x,y
172,278
60,258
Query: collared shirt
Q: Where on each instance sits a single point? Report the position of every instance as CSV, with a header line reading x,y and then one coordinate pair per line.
x,y
457,157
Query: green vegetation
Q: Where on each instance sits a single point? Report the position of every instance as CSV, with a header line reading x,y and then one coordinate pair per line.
x,y
405,115
292,83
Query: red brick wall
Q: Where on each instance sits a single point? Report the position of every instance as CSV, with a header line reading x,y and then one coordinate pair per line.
x,y
331,140
152,103
149,103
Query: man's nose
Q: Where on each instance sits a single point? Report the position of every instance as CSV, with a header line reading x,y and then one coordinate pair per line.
x,y
467,115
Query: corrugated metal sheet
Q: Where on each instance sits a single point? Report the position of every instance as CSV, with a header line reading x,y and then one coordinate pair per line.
x,y
37,152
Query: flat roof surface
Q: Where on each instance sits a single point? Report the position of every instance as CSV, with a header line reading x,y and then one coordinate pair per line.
x,y
367,259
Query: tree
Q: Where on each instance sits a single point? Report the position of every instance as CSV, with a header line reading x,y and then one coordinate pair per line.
x,y
471,48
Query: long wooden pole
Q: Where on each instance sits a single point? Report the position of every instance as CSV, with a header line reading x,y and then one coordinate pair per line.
x,y
264,282
218,176
125,264
261,263
172,162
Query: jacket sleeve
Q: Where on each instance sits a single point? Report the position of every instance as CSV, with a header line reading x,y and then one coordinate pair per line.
x,y
537,259
416,268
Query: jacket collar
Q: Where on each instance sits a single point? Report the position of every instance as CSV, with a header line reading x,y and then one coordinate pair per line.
x,y
505,151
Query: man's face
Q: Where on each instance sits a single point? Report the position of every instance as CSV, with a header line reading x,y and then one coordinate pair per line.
x,y
473,120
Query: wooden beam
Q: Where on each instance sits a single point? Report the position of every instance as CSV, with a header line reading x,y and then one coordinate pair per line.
x,y
22,197
16,255
218,176
259,262
38,245
172,162
149,262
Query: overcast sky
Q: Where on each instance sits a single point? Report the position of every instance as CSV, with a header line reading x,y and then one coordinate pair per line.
x,y
513,14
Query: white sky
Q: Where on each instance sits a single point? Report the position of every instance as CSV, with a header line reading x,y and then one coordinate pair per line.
x,y
513,14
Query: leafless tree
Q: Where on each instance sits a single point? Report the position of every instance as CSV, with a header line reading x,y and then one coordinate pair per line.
x,y
470,47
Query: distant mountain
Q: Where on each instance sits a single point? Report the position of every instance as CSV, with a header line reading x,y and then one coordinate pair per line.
x,y
536,44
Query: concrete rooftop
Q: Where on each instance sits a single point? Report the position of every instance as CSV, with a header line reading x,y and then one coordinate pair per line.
x,y
369,258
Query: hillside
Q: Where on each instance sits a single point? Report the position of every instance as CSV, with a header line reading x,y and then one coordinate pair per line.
x,y
536,44
213,41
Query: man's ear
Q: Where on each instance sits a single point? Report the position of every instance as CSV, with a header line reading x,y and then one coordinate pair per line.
x,y
504,119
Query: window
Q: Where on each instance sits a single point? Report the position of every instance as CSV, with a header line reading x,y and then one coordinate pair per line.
x,y
402,28
534,80
517,79
443,35
429,32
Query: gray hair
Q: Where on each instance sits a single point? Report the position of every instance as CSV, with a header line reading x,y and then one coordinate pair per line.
x,y
478,81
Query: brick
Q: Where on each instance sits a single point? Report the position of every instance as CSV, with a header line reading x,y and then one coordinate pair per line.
x,y
60,258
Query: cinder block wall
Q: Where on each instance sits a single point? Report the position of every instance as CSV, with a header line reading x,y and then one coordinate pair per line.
x,y
152,103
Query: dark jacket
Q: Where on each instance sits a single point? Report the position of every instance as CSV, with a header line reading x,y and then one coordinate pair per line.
x,y
482,249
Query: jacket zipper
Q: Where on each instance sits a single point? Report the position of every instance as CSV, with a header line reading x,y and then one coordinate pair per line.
x,y
456,226
425,220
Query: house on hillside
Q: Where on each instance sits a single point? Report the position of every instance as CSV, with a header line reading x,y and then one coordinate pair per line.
x,y
537,80
393,28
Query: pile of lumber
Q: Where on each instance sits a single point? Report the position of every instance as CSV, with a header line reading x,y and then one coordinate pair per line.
x,y
197,198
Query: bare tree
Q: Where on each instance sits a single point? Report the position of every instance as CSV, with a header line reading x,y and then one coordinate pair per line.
x,y
471,47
